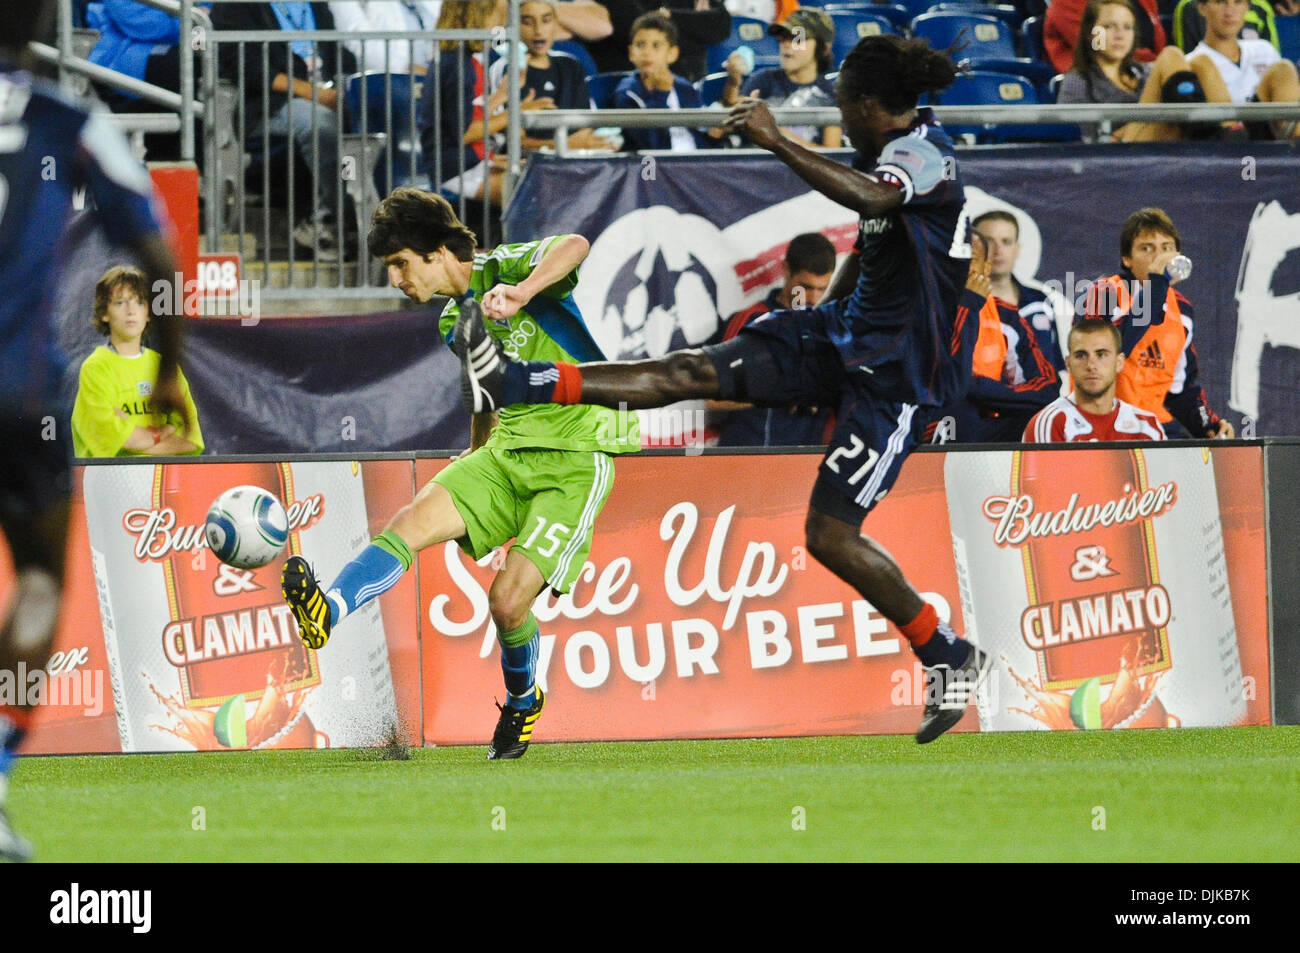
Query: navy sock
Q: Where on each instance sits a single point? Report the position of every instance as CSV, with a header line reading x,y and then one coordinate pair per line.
x,y
944,648
530,382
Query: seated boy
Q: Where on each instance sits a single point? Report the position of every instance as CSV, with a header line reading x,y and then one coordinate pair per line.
x,y
653,50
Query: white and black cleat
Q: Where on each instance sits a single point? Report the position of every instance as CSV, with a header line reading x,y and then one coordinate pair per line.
x,y
949,691
482,362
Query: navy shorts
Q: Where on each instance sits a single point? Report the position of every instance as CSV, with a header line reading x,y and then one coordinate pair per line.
x,y
787,359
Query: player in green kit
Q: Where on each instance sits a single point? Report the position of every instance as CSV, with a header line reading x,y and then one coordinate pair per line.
x,y
537,475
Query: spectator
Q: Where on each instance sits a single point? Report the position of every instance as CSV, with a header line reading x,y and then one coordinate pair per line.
x,y
1189,25
769,11
1105,71
800,80
1092,412
1161,371
809,264
1243,71
455,103
1061,27
142,43
1001,233
113,415
387,56
554,78
300,104
653,86
700,24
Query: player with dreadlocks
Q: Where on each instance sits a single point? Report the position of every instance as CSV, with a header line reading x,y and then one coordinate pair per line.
x,y
890,345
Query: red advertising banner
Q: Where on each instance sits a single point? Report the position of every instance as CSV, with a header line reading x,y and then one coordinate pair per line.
x,y
1115,588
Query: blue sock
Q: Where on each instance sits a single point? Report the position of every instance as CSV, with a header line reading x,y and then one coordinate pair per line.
x,y
529,382
371,574
10,737
944,648
519,663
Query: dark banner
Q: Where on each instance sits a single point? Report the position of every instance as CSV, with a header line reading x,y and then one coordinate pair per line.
x,y
679,243
345,384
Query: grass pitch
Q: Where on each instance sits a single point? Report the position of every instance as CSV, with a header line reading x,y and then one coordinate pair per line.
x,y
1186,795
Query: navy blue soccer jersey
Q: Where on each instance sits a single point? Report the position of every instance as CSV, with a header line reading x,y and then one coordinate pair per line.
x,y
899,329
50,149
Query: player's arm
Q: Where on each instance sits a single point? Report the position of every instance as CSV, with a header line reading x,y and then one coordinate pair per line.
x,y
158,265
1188,403
561,257
859,191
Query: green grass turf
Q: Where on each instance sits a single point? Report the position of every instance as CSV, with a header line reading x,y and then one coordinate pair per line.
x,y
1222,794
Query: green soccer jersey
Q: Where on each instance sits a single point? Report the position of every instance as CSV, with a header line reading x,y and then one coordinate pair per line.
x,y
549,328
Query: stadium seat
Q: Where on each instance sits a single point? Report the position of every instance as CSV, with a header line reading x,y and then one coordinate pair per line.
x,y
579,53
1031,39
710,88
979,88
1054,87
985,37
851,26
1004,12
375,87
745,31
601,88
898,15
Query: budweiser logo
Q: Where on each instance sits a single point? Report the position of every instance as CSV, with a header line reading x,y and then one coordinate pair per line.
x,y
1016,520
157,536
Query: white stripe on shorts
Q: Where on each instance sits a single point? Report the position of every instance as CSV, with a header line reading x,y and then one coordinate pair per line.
x,y
599,485
892,448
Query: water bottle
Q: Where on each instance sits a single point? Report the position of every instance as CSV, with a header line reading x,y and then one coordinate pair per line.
x,y
1179,268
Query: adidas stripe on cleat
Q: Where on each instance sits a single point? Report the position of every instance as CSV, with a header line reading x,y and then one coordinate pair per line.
x,y
482,362
514,730
304,596
948,692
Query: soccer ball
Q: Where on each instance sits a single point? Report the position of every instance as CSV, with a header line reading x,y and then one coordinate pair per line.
x,y
246,527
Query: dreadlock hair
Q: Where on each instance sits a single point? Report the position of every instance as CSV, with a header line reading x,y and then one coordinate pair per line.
x,y
895,71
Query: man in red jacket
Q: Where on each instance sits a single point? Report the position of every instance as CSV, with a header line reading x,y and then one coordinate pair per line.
x,y
1061,30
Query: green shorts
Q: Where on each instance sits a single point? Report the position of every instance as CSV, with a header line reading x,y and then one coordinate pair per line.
x,y
545,500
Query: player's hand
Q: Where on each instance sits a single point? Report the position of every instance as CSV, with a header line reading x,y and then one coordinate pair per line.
x,y
168,398
1225,430
503,301
753,119
977,278
735,67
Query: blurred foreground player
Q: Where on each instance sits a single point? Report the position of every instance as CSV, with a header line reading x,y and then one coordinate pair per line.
x,y
537,475
893,343
48,149
1092,411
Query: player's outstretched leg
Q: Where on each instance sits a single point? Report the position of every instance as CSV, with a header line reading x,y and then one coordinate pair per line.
x,y
304,596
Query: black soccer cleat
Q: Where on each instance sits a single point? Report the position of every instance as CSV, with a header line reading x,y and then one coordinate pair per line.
x,y
482,361
310,607
948,691
13,848
514,730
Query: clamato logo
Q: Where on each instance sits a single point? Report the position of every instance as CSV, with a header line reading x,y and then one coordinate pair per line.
x,y
102,907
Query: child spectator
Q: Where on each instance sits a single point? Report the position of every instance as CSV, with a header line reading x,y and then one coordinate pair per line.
x,y
113,415
653,51
1106,71
550,78
800,80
